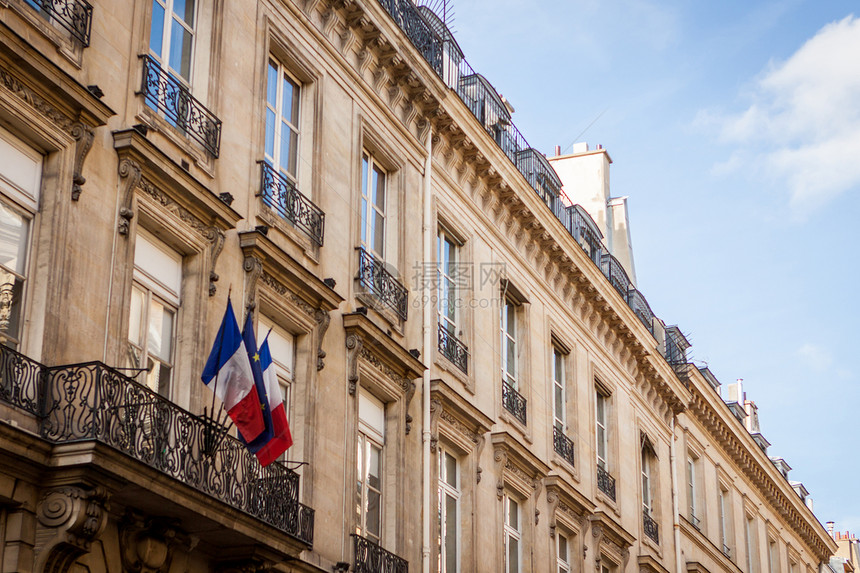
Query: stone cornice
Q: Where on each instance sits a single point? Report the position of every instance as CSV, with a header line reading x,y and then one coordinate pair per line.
x,y
711,412
387,350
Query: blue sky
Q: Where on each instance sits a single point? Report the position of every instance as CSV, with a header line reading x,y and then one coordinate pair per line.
x,y
734,128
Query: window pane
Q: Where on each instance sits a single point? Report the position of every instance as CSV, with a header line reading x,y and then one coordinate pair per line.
x,y
167,335
180,50
601,443
288,162
379,189
450,534
513,555
373,515
270,134
156,31
451,470
559,402
290,101
272,85
511,355
185,10
13,240
135,316
378,233
11,291
562,548
373,468
513,514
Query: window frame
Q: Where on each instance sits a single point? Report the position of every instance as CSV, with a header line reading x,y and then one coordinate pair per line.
x,y
602,423
447,283
367,438
505,338
368,207
283,72
559,386
562,563
446,490
512,532
647,484
166,40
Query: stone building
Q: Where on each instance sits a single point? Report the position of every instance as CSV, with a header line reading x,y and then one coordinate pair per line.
x,y
473,380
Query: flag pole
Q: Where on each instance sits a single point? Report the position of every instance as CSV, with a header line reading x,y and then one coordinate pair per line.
x,y
212,421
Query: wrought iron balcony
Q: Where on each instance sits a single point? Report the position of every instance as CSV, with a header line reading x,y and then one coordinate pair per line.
x,y
417,29
373,276
282,195
169,96
92,401
372,558
614,271
513,401
641,309
75,16
606,483
652,530
453,349
562,444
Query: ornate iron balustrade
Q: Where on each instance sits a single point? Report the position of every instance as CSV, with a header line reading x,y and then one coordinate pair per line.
x,y
614,271
92,401
74,16
453,349
282,195
21,381
641,309
372,558
675,353
585,231
373,276
407,17
513,401
563,445
606,483
652,529
169,96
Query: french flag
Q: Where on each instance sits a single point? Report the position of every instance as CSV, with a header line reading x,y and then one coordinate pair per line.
x,y
228,373
281,439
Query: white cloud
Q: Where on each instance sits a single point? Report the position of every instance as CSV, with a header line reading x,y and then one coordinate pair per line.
x,y
802,126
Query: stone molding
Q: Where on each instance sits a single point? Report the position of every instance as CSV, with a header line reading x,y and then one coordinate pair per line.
x,y
70,518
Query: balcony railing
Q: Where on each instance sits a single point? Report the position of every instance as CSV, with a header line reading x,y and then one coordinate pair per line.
x,y
93,402
373,276
75,16
371,558
417,29
453,349
513,401
562,444
652,530
169,96
641,309
616,274
606,483
281,194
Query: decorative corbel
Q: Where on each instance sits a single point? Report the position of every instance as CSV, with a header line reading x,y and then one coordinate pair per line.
x,y
480,443
500,456
130,173
311,6
364,60
435,412
83,135
625,557
253,270
380,78
597,533
552,500
216,244
323,319
329,20
537,485
70,519
148,544
408,387
353,348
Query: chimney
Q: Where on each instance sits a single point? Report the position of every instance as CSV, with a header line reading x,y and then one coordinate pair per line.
x,y
736,391
830,525
557,150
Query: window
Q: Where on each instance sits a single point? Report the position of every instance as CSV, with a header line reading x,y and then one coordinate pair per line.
x,y
772,556
372,207
448,258
171,36
152,310
20,182
693,490
509,343
282,121
602,407
646,481
371,439
513,536
449,512
751,541
722,495
562,554
558,395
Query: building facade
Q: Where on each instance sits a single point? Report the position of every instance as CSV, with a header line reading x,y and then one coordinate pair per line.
x,y
472,379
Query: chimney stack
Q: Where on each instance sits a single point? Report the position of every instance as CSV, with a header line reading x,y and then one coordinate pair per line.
x,y
830,526
557,150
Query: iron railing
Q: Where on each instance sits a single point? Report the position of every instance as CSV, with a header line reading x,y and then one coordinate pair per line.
x,y
652,529
185,112
93,402
585,231
606,483
370,557
453,349
373,276
640,308
74,16
675,353
563,445
407,17
616,274
513,401
281,194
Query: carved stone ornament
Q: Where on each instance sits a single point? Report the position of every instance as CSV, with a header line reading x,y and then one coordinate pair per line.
x,y
149,544
409,388
538,487
500,456
216,245
70,519
83,135
552,501
253,271
353,348
129,174
481,442
323,319
435,414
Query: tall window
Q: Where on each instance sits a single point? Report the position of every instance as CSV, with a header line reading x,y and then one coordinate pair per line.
x,y
562,554
448,257
449,512
20,182
282,121
691,490
602,434
751,540
772,556
152,310
558,399
513,536
509,343
647,501
371,439
722,494
171,36
372,206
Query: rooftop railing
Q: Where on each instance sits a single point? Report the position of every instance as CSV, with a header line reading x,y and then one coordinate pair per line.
x,y
93,402
614,271
640,307
283,196
75,16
